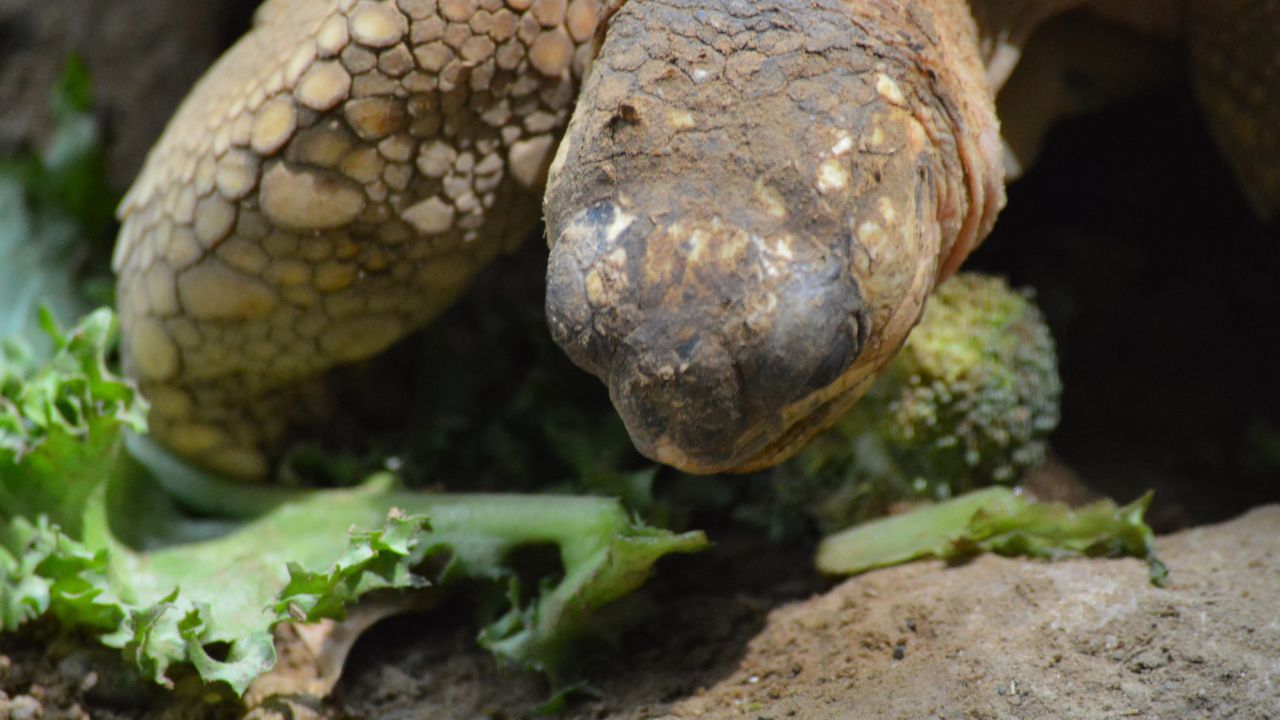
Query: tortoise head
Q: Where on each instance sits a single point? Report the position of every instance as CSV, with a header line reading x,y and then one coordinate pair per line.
x,y
749,210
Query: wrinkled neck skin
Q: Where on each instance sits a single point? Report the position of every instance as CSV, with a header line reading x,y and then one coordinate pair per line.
x,y
752,203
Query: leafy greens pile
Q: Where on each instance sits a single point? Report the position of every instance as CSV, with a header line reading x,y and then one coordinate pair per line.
x,y
182,589
88,537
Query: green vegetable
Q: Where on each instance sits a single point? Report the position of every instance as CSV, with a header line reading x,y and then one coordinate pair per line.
x,y
87,537
996,520
979,386
968,403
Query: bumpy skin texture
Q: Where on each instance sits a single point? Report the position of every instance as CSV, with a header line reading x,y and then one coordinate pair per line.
x,y
333,182
751,206
754,200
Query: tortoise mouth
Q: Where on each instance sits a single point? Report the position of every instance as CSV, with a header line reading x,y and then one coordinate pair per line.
x,y
771,443
757,451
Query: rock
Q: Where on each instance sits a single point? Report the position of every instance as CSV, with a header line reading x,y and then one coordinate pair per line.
x,y
1004,637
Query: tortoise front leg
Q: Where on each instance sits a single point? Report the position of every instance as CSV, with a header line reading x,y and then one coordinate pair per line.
x,y
332,183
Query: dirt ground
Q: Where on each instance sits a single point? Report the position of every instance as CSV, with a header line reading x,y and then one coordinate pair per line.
x,y
993,638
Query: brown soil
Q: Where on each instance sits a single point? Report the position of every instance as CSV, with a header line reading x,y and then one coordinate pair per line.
x,y
994,638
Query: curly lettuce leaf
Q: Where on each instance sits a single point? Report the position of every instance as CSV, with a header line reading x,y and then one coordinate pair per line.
x,y
88,537
998,520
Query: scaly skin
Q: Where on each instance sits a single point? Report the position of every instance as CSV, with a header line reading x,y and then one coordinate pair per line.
x,y
752,205
754,202
333,182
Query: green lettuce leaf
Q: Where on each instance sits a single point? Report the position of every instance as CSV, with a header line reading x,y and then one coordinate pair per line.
x,y
998,520
87,536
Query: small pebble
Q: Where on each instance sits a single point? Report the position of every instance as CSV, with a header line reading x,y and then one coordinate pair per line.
x,y
24,707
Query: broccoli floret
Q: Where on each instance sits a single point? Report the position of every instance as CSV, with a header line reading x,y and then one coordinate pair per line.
x,y
968,403
977,387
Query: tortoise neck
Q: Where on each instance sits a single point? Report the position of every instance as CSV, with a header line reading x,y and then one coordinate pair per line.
x,y
1004,26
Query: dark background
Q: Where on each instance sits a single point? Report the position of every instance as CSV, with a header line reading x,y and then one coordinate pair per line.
x,y
1161,288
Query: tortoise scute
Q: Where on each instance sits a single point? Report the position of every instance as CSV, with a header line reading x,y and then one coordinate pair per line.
x,y
333,182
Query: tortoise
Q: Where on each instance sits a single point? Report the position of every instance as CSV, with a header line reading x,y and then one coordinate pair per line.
x,y
747,202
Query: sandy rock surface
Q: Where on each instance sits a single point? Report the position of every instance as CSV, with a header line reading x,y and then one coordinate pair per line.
x,y
994,638
1007,638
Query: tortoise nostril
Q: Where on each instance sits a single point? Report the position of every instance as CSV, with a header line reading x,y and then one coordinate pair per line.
x,y
569,313
587,284
625,115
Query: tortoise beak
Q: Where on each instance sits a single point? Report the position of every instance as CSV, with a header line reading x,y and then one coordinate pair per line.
x,y
703,332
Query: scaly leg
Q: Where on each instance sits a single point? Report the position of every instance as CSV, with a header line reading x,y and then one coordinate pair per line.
x,y
332,183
